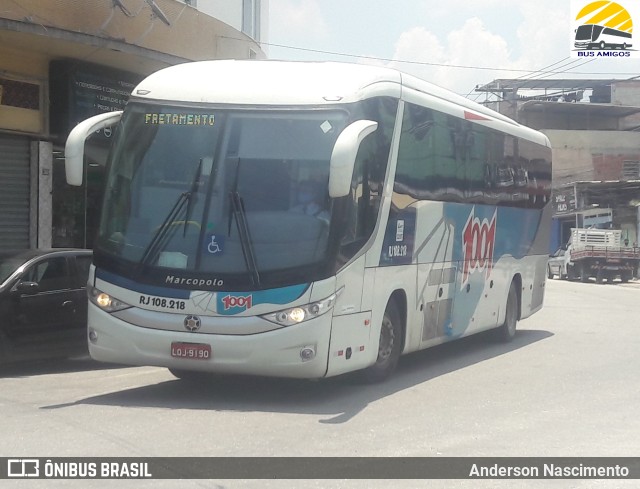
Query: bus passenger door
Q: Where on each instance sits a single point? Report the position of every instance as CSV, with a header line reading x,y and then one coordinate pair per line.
x,y
436,285
437,296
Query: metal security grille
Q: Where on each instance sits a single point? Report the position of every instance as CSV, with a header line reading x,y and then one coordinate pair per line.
x,y
630,169
14,192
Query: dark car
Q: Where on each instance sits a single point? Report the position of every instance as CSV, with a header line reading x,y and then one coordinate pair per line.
x,y
43,303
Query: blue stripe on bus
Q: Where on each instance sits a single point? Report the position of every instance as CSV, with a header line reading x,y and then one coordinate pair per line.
x,y
515,228
126,283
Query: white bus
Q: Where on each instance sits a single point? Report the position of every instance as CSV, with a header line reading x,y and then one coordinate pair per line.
x,y
206,261
590,36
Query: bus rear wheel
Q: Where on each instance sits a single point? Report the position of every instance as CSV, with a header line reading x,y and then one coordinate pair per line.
x,y
507,331
389,346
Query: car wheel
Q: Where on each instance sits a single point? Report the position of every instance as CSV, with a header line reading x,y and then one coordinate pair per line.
x,y
389,346
507,330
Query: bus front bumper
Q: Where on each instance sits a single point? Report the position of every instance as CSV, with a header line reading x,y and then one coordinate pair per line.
x,y
299,351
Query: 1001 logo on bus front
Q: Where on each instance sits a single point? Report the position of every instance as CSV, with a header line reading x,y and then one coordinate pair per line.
x,y
478,239
240,302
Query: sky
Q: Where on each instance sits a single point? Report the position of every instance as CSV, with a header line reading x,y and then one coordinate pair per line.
x,y
457,44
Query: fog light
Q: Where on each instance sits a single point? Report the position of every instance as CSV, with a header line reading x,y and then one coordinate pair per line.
x,y
93,335
307,353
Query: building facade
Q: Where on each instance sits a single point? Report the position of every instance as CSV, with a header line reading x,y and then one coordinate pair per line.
x,y
594,129
64,60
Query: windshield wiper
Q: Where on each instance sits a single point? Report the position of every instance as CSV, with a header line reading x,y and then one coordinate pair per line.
x,y
155,245
237,210
191,198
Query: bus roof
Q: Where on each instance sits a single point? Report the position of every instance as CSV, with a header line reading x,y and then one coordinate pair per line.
x,y
285,83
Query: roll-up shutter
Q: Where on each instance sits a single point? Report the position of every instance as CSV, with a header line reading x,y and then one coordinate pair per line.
x,y
14,192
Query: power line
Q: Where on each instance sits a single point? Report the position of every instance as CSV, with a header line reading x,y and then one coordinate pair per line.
x,y
531,73
421,63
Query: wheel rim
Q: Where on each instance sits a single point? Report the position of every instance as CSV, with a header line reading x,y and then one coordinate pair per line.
x,y
387,340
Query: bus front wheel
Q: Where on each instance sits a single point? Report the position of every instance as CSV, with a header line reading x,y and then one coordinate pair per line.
x,y
389,345
190,375
507,330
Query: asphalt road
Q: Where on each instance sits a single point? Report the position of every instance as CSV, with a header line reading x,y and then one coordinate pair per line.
x,y
568,385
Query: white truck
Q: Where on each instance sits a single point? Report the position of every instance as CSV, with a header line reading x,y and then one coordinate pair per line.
x,y
597,253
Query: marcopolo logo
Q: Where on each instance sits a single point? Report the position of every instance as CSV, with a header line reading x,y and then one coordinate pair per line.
x,y
603,29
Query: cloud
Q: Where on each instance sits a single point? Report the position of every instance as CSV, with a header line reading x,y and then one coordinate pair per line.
x,y
418,45
541,39
543,35
297,19
471,45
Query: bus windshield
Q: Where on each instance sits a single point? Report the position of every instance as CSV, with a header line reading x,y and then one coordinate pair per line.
x,y
219,191
584,32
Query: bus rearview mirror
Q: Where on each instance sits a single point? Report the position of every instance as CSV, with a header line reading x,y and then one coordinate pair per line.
x,y
343,157
74,149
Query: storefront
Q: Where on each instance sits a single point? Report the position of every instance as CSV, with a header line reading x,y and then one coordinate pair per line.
x,y
79,91
20,121
15,191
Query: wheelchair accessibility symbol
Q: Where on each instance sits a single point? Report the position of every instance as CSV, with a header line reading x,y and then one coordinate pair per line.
x,y
215,244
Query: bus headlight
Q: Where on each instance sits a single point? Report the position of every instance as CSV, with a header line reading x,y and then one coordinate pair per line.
x,y
105,301
299,314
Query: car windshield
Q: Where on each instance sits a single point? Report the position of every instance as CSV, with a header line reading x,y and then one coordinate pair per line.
x,y
219,191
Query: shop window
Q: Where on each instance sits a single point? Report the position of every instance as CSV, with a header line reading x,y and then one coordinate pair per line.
x,y
19,94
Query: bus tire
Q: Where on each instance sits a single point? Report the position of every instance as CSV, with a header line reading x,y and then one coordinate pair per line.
x,y
389,346
549,272
189,375
507,331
